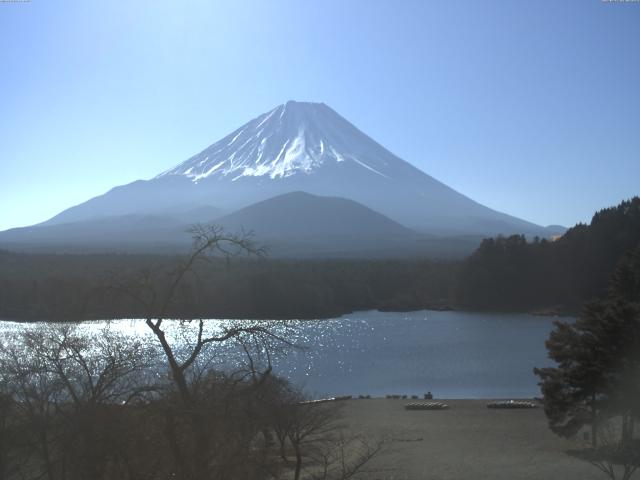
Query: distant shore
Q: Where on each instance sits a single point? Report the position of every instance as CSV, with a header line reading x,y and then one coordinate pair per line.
x,y
546,312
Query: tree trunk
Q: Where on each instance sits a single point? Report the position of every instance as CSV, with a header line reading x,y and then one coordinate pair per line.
x,y
199,429
594,423
298,461
44,441
174,445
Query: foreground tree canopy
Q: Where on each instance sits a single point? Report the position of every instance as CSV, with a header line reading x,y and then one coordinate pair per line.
x,y
80,405
597,379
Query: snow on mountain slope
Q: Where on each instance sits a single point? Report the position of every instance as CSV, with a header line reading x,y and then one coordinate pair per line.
x,y
294,138
305,147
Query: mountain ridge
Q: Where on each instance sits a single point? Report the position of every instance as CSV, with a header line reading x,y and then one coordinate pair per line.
x,y
300,147
269,156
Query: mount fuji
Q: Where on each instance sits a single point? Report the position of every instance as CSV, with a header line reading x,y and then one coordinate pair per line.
x,y
295,147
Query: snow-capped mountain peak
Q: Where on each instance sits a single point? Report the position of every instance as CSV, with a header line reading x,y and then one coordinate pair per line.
x,y
293,138
301,147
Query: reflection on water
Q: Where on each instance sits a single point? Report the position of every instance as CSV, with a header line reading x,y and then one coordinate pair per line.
x,y
452,354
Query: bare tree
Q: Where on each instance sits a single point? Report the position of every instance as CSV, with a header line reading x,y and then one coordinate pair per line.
x,y
618,454
200,403
306,426
348,456
323,448
67,391
189,426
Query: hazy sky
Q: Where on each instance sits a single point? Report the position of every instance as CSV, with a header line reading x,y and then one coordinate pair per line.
x,y
529,107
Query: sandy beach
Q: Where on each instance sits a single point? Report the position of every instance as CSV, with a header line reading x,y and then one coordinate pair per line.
x,y
468,441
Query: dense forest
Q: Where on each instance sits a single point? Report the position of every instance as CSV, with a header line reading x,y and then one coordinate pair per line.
x,y
513,274
503,274
63,287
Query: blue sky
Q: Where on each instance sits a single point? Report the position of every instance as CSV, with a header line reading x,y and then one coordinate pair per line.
x,y
529,107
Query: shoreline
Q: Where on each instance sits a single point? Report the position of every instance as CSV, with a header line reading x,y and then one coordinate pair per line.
x,y
559,313
465,441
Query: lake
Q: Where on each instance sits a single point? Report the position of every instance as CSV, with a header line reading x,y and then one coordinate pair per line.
x,y
452,354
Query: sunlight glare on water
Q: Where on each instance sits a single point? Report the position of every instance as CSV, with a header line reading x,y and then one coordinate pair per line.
x,y
453,354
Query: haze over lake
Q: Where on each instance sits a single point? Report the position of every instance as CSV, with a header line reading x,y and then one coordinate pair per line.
x,y
453,354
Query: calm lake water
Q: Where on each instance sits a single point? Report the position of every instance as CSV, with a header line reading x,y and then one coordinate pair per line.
x,y
452,354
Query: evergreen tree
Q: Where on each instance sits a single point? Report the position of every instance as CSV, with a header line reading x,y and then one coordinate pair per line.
x,y
597,377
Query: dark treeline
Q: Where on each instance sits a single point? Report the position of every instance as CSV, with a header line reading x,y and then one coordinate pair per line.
x,y
513,274
70,287
504,274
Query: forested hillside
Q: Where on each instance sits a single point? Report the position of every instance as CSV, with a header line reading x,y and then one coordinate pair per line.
x,y
513,274
61,287
504,274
